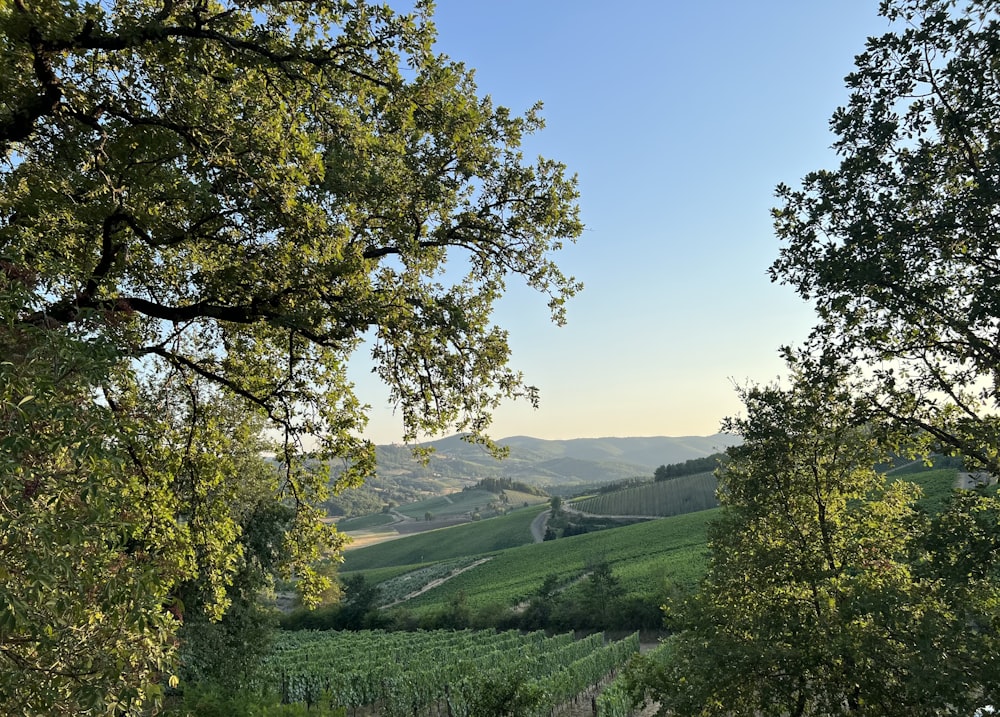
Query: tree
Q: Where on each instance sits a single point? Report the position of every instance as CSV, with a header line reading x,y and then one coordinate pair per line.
x,y
899,247
556,505
205,209
600,596
82,619
829,591
809,606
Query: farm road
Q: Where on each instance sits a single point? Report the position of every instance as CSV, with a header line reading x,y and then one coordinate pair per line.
x,y
538,526
571,509
434,583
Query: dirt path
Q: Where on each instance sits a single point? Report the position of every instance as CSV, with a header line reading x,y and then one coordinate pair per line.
x,y
400,518
440,581
538,526
571,509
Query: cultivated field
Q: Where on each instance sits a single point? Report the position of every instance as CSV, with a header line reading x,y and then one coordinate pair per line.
x,y
687,494
427,674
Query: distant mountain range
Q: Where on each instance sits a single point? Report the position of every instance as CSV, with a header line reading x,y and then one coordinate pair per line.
x,y
547,462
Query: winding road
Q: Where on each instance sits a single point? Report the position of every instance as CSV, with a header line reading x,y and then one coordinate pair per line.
x,y
538,526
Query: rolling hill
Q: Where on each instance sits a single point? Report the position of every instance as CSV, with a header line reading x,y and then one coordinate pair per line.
x,y
548,462
643,555
455,464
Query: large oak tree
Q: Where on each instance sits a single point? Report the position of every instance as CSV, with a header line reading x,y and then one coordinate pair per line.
x,y
829,591
205,209
899,246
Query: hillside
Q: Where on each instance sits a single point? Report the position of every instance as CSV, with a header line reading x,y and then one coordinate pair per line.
x,y
632,456
643,556
687,494
455,464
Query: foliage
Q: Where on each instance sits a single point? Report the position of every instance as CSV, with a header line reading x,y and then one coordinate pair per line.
x,y
689,467
628,692
566,524
555,505
356,502
618,485
205,209
594,602
822,595
899,246
829,590
208,702
500,485
81,595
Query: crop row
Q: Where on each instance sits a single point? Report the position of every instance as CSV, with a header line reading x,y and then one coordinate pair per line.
x,y
686,494
439,672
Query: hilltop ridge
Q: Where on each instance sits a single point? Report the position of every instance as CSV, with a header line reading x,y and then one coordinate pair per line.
x,y
455,464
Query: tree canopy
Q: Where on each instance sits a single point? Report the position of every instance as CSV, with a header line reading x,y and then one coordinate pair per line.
x,y
829,590
899,246
206,208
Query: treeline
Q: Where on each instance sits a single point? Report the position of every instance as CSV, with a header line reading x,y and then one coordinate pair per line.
x,y
689,467
594,600
499,485
623,484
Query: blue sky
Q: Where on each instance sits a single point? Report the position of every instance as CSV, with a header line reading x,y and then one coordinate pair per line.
x,y
679,119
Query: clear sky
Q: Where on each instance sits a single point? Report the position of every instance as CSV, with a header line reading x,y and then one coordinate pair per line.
x,y
679,118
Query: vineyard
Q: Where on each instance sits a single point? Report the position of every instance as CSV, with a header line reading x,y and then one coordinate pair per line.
x,y
686,494
438,673
643,556
458,541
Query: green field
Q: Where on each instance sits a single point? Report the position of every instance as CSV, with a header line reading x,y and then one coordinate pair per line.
x,y
447,543
935,486
643,555
451,505
516,499
366,522
686,494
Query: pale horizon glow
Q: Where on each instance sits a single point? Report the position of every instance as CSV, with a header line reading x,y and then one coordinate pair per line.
x,y
680,119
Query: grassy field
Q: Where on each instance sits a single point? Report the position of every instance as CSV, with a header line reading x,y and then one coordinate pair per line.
x,y
935,485
643,556
686,494
449,506
365,522
517,499
447,543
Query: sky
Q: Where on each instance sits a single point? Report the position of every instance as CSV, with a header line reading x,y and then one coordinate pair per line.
x,y
679,119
